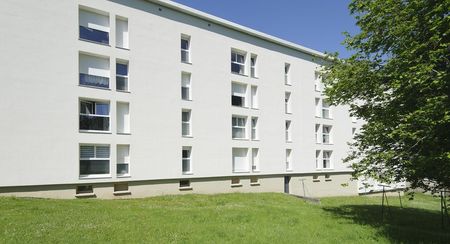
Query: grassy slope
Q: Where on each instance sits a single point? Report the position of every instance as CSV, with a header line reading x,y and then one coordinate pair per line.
x,y
256,218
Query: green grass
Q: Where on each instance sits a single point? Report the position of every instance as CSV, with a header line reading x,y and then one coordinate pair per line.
x,y
225,218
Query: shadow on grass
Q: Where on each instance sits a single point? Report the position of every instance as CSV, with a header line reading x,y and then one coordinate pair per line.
x,y
405,225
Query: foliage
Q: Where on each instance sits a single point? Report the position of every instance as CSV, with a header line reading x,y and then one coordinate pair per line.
x,y
225,218
398,82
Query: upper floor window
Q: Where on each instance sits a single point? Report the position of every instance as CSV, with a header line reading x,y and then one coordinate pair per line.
x,y
326,134
186,86
94,26
238,94
94,71
253,66
318,166
255,159
287,102
288,131
122,32
317,82
288,159
185,49
287,70
94,115
238,62
326,111
318,107
254,128
186,160
240,160
254,96
186,123
122,76
123,117
94,160
123,160
239,125
317,131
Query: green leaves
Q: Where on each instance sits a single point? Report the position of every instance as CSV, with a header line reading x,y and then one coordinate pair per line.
x,y
398,82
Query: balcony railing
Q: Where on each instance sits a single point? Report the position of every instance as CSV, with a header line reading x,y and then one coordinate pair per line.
x,y
121,83
94,122
93,80
94,35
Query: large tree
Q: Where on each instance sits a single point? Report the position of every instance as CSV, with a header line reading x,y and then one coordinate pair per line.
x,y
398,82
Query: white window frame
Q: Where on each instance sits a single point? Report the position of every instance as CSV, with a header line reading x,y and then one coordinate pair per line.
x,y
186,51
127,77
326,134
287,103
287,74
253,65
234,55
241,95
288,124
238,126
254,128
317,134
125,162
317,82
318,159
326,109
188,159
288,159
87,100
186,84
255,159
327,159
254,96
188,122
94,159
318,107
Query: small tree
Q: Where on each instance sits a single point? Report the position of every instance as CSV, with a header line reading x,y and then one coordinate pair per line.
x,y
398,82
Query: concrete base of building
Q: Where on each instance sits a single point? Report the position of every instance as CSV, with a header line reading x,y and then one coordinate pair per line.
x,y
306,185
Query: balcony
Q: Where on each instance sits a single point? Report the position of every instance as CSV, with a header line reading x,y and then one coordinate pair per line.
x,y
93,80
94,35
94,122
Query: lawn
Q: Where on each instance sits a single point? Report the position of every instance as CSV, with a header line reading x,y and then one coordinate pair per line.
x,y
224,218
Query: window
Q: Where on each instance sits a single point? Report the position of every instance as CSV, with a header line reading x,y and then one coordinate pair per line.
x,y
326,159
122,76
240,160
238,94
238,127
186,123
318,111
235,181
123,118
353,131
238,62
254,91
354,119
186,160
287,78
255,160
122,32
317,131
326,131
253,66
185,49
254,128
94,160
317,82
288,131
317,159
121,187
254,181
94,26
288,159
94,71
186,86
185,184
287,102
123,160
85,189
94,115
326,112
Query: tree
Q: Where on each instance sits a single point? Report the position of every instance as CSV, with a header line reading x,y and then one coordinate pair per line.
x,y
398,82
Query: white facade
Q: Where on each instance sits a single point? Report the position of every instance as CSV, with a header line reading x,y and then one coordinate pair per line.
x,y
162,69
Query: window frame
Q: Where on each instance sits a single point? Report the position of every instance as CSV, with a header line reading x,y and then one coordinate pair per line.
x,y
254,129
327,159
87,176
327,134
189,160
234,61
243,96
326,108
253,65
288,124
188,122
287,74
287,103
128,174
239,127
93,101
125,77
94,12
289,159
188,86
187,50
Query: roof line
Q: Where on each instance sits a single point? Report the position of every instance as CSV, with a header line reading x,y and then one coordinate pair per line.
x,y
202,15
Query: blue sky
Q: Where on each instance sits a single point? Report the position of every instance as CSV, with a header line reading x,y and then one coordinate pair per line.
x,y
317,24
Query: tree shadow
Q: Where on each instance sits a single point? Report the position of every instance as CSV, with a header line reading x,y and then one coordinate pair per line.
x,y
404,225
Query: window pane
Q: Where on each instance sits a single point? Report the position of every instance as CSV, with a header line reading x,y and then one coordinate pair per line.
x,y
122,69
87,152
102,108
122,169
186,130
184,44
121,83
184,56
102,151
186,153
185,116
94,80
88,167
186,165
94,35
86,107
91,122
185,93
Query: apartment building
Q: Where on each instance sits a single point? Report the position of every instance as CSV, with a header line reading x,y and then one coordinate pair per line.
x,y
114,99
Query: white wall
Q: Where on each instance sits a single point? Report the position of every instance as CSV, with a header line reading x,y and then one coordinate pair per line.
x,y
40,132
